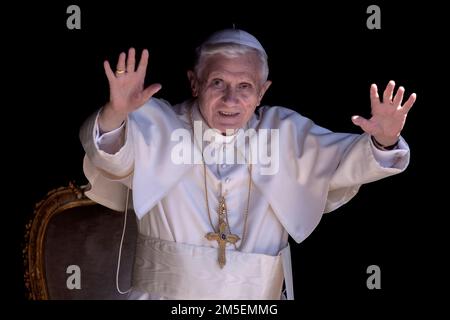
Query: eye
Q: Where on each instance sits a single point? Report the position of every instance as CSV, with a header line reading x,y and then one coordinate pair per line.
x,y
245,86
217,83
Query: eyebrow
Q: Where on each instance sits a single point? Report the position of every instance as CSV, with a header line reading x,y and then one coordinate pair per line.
x,y
216,74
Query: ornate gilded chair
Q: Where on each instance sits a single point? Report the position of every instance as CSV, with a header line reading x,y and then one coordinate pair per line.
x,y
72,246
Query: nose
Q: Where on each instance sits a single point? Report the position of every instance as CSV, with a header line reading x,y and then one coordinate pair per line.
x,y
230,95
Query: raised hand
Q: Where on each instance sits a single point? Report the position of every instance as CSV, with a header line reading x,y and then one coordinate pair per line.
x,y
126,89
388,116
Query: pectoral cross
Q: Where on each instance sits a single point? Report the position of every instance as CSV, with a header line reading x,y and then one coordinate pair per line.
x,y
223,236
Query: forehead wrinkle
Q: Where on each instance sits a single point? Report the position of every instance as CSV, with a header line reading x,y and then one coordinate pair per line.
x,y
219,64
225,73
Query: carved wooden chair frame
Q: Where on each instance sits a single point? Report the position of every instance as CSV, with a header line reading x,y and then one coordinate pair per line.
x,y
56,201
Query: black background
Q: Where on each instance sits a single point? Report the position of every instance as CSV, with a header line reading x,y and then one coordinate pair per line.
x,y
322,60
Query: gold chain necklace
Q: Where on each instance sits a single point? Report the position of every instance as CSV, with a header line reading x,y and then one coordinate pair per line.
x,y
223,235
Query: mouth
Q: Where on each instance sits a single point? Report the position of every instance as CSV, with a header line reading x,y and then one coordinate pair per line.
x,y
228,114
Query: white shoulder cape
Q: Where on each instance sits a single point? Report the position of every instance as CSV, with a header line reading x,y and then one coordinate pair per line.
x,y
319,170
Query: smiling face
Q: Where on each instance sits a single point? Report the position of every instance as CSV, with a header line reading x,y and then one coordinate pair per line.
x,y
228,89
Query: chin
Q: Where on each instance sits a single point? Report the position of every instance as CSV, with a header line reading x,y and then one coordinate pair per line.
x,y
227,124
224,127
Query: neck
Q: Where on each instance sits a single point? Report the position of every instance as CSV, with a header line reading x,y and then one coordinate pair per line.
x,y
228,132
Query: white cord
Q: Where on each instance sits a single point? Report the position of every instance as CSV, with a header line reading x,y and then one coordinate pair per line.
x,y
120,247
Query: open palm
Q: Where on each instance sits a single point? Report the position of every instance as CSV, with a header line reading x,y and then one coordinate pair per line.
x,y
388,116
126,86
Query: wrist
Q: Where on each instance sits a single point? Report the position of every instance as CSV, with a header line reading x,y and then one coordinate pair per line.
x,y
384,147
109,119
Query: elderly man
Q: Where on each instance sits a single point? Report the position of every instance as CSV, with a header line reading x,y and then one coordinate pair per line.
x,y
217,228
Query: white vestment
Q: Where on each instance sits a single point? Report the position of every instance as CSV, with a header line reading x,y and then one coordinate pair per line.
x,y
318,171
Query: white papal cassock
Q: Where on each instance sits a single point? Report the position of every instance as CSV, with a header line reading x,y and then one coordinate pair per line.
x,y
318,171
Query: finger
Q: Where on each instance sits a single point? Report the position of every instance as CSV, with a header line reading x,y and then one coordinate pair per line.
x,y
364,124
398,96
409,103
109,73
131,60
151,90
143,62
121,62
374,98
387,95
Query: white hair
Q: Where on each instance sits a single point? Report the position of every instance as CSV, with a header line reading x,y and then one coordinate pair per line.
x,y
230,50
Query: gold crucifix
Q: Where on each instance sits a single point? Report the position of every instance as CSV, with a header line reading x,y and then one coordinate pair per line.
x,y
223,236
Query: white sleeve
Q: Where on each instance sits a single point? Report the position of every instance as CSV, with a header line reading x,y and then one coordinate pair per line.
x,y
396,158
111,152
363,164
111,141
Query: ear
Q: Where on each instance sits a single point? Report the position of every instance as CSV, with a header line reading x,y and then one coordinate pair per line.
x,y
263,90
194,82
